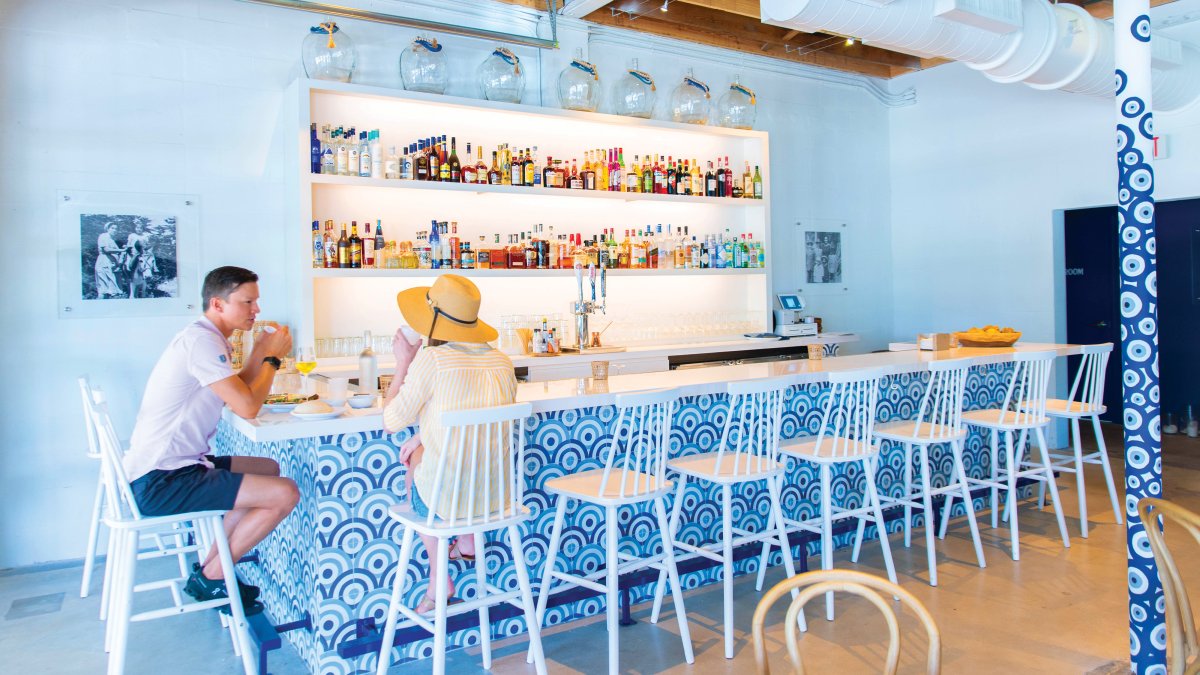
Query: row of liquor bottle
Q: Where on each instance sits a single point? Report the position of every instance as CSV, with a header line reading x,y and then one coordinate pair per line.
x,y
341,152
441,247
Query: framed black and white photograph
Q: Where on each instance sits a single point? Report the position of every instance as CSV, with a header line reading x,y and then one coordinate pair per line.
x,y
126,254
823,251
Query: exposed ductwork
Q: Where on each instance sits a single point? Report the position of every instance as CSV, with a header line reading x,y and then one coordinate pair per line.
x,y
1045,46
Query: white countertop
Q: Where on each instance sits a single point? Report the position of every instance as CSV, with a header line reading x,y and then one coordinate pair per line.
x,y
585,392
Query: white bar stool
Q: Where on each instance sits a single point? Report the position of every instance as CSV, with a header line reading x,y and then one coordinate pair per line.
x,y
634,473
93,452
847,436
1086,399
127,527
1023,410
748,453
939,422
483,451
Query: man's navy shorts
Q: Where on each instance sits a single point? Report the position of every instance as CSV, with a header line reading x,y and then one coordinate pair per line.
x,y
187,489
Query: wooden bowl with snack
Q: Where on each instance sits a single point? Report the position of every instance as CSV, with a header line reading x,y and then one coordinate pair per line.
x,y
988,336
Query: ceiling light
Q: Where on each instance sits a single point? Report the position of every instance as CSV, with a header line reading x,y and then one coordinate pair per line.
x,y
849,42
664,6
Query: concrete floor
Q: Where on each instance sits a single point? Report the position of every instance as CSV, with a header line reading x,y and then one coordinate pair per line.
x,y
1057,610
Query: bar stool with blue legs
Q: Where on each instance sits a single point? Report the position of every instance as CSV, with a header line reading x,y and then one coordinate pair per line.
x,y
1086,400
748,453
846,438
939,422
481,466
1022,411
634,473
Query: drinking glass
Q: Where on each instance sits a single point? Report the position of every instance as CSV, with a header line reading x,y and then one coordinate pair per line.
x,y
306,361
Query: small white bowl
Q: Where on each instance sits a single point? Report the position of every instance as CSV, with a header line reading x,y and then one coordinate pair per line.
x,y
362,400
335,401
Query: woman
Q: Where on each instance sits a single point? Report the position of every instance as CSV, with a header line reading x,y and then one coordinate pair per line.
x,y
106,263
457,370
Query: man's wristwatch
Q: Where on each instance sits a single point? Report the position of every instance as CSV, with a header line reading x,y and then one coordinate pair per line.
x,y
273,360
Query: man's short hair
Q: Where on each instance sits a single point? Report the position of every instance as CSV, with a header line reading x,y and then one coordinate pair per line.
x,y
222,281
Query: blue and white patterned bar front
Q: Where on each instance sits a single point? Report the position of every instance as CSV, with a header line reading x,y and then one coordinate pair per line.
x,y
335,556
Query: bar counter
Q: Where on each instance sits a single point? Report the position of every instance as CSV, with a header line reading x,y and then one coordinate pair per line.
x,y
334,557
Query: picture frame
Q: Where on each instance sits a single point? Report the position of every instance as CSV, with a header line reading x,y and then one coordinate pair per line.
x,y
126,254
823,257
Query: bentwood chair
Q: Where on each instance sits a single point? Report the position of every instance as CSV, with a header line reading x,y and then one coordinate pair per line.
x,y
869,587
127,527
748,453
939,422
634,473
1022,411
478,488
1085,400
1183,647
846,438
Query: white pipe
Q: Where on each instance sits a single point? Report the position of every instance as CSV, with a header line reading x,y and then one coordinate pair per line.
x,y
1055,46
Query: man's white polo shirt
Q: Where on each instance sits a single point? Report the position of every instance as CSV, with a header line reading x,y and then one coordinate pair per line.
x,y
179,412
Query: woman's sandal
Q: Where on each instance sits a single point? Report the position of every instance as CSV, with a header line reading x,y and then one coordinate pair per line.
x,y
456,554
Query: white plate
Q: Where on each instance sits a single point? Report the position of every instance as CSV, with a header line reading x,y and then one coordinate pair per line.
x,y
314,417
279,407
761,337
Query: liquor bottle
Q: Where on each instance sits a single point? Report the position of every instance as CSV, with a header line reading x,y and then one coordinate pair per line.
x,y
467,171
505,166
620,169
318,241
494,173
391,165
710,182
331,246
722,181
516,171
364,156
576,182
614,248
435,247
672,177
726,250
343,250
421,162
758,184
379,241
603,253
647,177
376,147
467,257
680,249
406,163
728,179
328,161
455,169
625,253
633,176
497,255
548,173
531,172
601,170
483,257
339,152
516,251
660,176
314,149
351,153
453,241
747,182
356,246
435,160
530,249
368,246
589,173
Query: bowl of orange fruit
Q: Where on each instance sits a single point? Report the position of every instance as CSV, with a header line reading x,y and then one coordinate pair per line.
x,y
988,336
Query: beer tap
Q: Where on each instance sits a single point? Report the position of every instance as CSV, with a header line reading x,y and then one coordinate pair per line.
x,y
584,308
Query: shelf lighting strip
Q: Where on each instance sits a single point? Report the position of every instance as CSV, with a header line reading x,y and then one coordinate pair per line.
x,y
330,9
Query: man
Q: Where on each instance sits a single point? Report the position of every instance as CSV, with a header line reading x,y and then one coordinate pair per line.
x,y
193,380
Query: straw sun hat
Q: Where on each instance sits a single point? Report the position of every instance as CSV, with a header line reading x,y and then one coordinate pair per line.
x,y
448,310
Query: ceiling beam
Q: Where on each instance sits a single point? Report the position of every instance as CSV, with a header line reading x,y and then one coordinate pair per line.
x,y
740,7
577,9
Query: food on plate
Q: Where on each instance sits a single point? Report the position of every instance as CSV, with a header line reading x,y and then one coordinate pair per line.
x,y
288,399
313,407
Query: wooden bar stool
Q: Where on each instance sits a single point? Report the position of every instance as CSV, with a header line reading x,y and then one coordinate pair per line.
x,y
748,453
484,449
847,437
1086,400
1023,410
634,473
939,422
128,527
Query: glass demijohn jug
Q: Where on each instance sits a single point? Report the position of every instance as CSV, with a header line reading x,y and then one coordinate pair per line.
x,y
635,93
500,76
328,53
423,66
690,100
579,85
737,107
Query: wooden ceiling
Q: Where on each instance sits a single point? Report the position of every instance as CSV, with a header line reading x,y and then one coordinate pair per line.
x,y
735,25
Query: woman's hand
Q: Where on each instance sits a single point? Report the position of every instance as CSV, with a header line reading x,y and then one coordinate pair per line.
x,y
403,350
408,448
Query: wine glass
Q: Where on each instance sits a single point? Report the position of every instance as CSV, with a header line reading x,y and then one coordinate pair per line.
x,y
306,361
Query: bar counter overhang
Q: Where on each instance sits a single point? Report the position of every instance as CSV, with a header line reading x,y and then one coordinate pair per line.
x,y
334,558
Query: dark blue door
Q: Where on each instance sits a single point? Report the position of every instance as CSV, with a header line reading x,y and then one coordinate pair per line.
x,y
1093,317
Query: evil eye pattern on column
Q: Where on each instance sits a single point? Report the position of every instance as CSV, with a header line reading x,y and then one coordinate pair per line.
x,y
1139,332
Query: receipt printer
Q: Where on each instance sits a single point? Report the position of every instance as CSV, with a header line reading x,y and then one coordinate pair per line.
x,y
788,319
